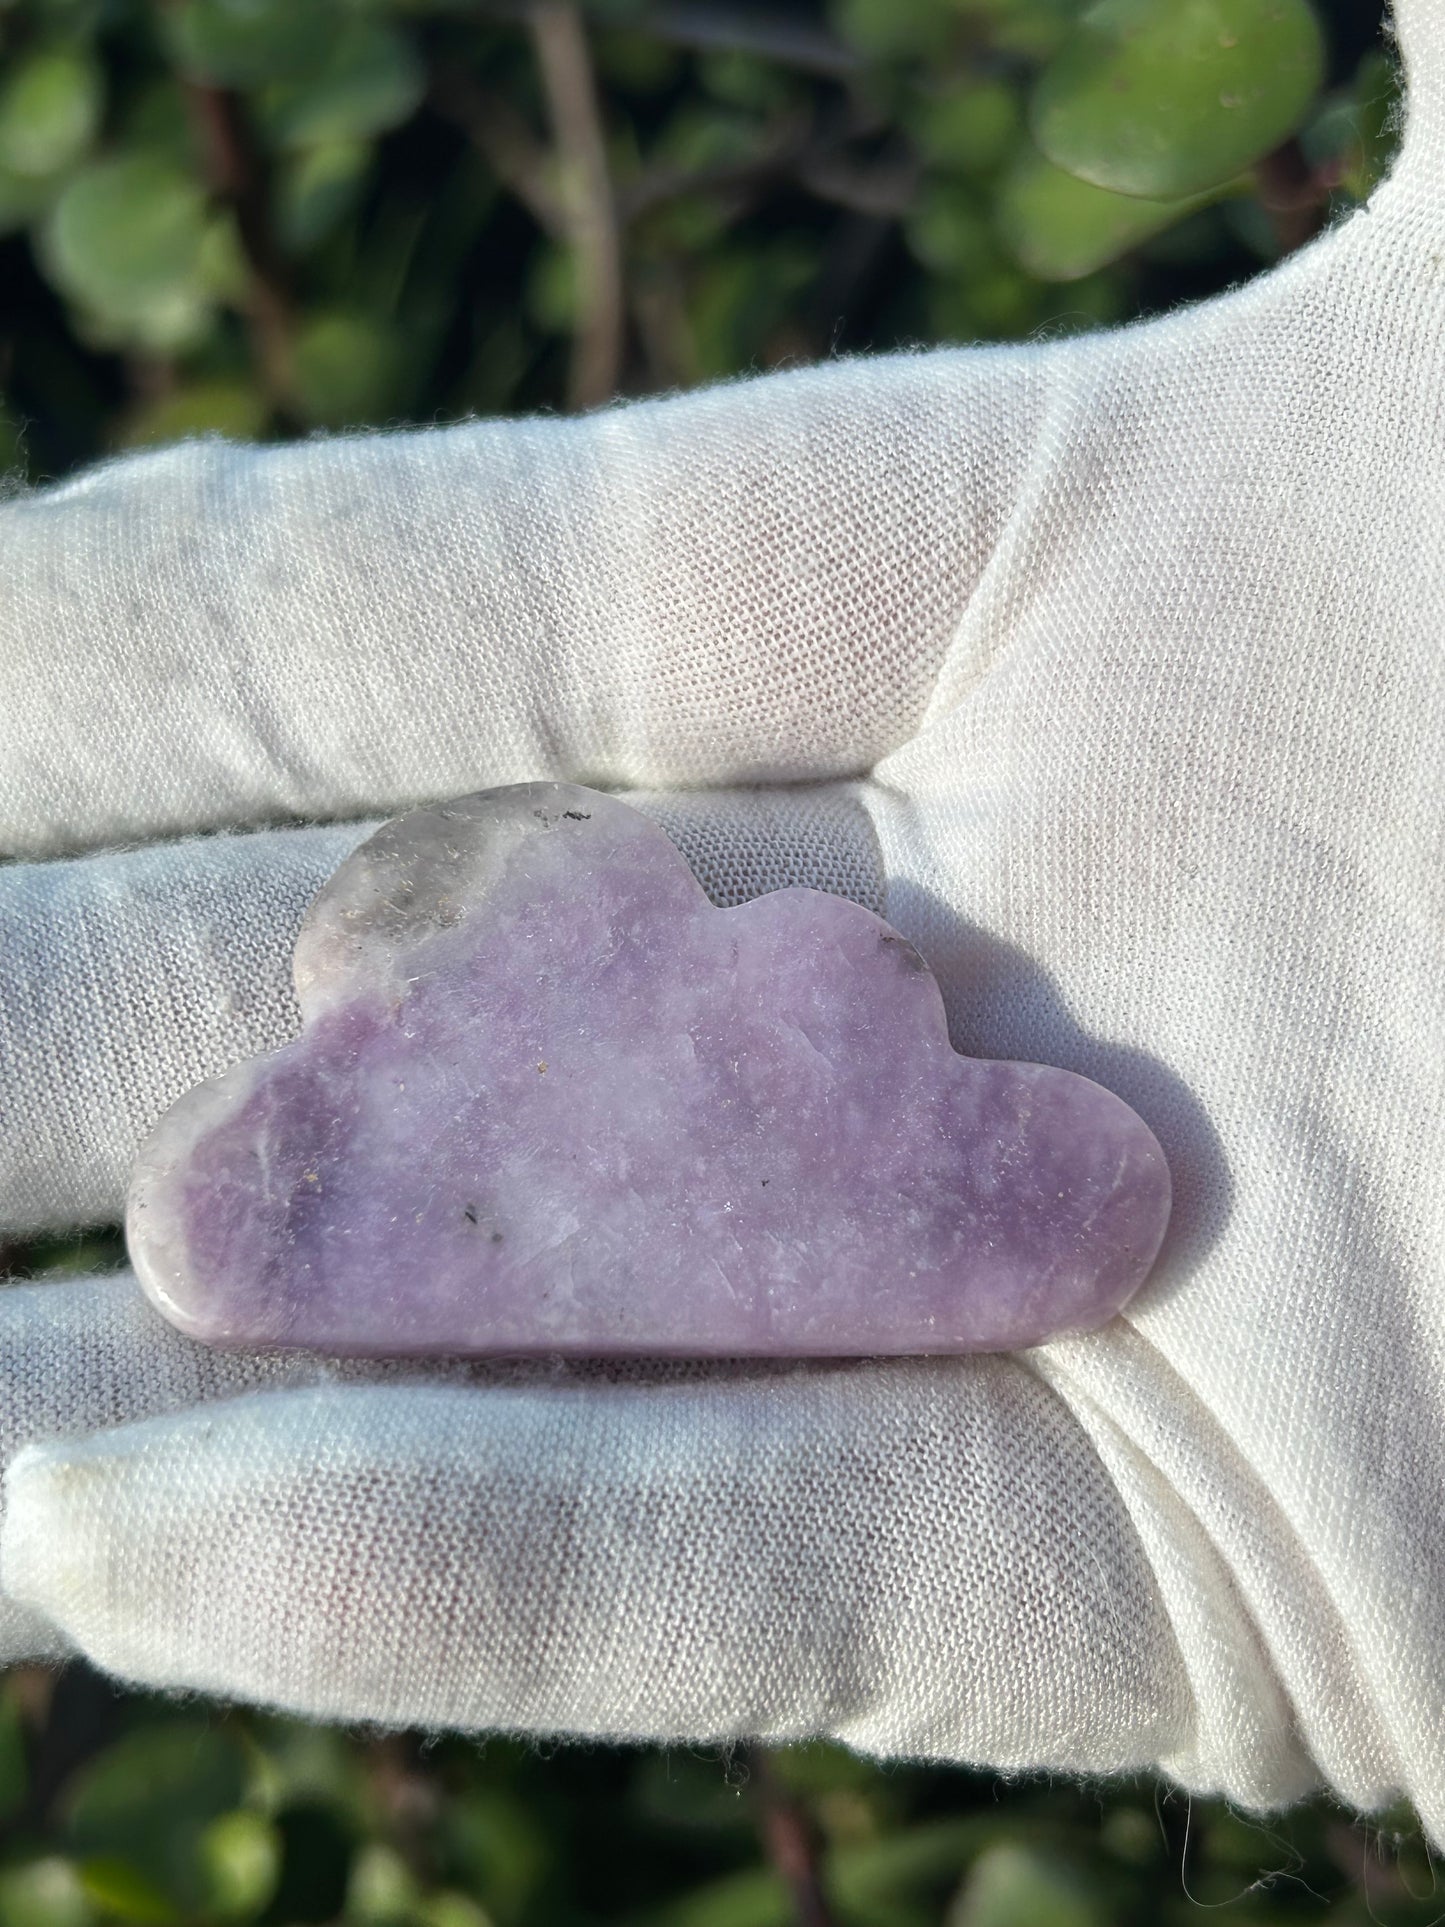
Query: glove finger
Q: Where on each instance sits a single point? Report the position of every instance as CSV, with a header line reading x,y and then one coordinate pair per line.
x,y
917,1557
92,1355
97,1354
131,975
751,582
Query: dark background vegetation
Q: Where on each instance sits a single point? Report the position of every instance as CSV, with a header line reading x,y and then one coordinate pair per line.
x,y
264,218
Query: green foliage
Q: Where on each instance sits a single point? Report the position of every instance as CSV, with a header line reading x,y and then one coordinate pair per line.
x,y
1062,228
369,78
256,218
50,106
126,241
1167,98
126,1811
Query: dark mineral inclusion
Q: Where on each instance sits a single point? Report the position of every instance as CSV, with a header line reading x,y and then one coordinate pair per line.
x,y
547,1098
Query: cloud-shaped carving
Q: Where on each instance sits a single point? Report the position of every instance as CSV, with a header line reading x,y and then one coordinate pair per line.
x,y
548,1098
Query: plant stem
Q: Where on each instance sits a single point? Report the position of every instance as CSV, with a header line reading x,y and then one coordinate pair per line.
x,y
791,1842
570,84
238,178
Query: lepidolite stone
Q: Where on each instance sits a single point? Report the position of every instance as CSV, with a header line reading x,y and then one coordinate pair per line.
x,y
547,1098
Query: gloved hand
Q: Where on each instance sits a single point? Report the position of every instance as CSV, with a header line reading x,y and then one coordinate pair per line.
x,y
1110,672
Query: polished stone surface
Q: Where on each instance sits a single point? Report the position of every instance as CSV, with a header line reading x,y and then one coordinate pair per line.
x,y
547,1098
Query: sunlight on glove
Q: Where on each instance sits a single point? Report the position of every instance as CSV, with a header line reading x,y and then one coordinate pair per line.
x,y
1110,672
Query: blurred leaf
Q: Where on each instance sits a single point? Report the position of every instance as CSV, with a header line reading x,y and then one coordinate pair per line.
x,y
370,79
50,106
971,128
495,1844
1165,98
126,240
241,43
948,232
122,1893
318,187
347,368
46,1892
757,1898
294,1764
899,1880
1032,29
447,1909
240,1856
552,288
382,1890
1060,228
1018,1886
1132,1835
138,1810
896,29
1000,305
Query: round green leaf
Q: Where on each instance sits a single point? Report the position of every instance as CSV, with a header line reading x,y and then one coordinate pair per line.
x,y
126,240
240,1856
1163,98
347,369
241,43
968,129
137,1813
122,1893
46,1892
1060,228
895,29
1016,1886
50,105
382,1891
371,78
318,189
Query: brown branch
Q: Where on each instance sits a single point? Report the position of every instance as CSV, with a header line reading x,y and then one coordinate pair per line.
x,y
791,1842
570,84
237,177
505,142
886,191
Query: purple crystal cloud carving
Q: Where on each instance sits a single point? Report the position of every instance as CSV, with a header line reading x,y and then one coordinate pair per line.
x,y
547,1098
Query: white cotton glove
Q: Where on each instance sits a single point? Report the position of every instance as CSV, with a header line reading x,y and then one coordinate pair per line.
x,y
1110,671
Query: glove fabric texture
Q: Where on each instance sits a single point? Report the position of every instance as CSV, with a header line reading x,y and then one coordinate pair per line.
x,y
1110,671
